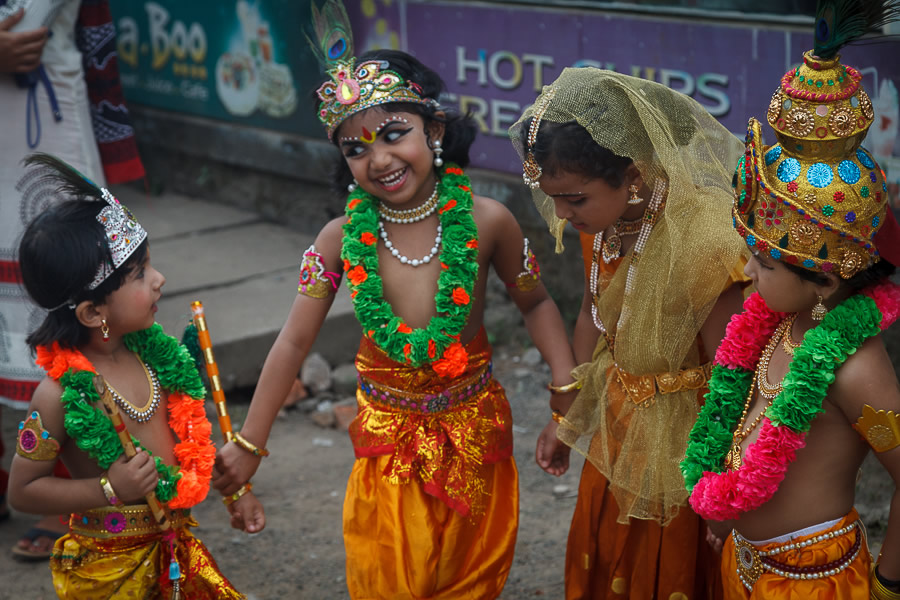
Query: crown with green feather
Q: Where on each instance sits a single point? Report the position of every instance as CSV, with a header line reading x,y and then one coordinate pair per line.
x,y
816,198
352,88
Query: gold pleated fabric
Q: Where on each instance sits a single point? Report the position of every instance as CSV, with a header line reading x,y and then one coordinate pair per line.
x,y
850,584
687,261
119,553
403,543
606,560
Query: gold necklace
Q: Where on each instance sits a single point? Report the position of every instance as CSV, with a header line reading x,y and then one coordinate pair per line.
x,y
789,346
612,246
733,459
766,389
410,215
146,412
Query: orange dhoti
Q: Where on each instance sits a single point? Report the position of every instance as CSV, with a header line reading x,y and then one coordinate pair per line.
x,y
114,552
835,562
432,503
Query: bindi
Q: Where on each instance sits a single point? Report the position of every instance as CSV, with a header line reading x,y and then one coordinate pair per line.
x,y
369,136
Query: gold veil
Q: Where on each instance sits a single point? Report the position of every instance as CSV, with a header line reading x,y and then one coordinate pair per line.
x,y
684,267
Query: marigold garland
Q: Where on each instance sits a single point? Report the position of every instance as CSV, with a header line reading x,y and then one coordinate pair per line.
x,y
181,486
725,495
438,343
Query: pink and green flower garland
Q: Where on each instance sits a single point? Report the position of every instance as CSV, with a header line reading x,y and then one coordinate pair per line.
x,y
437,344
720,494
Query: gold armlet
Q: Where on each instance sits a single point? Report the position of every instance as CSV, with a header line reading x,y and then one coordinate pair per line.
x,y
564,389
35,442
232,498
880,428
248,445
108,490
315,281
530,277
878,591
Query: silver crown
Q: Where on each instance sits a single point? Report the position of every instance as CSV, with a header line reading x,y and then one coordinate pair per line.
x,y
123,235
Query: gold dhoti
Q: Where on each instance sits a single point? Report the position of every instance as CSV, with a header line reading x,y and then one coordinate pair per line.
x,y
114,552
432,503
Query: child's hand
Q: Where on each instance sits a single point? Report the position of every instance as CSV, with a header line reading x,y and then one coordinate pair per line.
x,y
20,51
714,541
551,454
133,478
247,514
234,466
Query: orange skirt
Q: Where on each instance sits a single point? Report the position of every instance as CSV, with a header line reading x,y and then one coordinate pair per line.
x,y
852,583
641,560
403,543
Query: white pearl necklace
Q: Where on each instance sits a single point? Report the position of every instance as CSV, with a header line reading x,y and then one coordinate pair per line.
x,y
415,262
411,215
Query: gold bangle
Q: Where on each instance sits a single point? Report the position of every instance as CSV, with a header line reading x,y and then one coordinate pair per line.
x,y
232,498
248,445
108,490
878,591
564,389
557,416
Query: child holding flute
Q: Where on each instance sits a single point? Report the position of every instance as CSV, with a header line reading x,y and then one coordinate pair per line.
x,y
143,458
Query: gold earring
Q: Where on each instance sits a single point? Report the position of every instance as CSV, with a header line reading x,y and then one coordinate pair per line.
x,y
819,311
104,329
634,199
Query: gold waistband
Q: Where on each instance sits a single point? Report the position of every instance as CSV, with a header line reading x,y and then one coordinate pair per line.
x,y
642,389
115,521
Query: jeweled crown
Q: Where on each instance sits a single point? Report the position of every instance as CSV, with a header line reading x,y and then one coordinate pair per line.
x,y
123,236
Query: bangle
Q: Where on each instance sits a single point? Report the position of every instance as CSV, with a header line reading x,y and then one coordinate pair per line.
x,y
248,445
881,587
564,389
557,416
232,498
108,490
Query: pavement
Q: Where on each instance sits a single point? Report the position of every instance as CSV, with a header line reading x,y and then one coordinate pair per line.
x,y
243,269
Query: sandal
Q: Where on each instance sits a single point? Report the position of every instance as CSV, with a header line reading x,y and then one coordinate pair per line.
x,y
35,552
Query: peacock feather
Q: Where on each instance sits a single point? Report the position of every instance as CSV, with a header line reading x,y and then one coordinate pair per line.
x,y
841,22
68,179
334,38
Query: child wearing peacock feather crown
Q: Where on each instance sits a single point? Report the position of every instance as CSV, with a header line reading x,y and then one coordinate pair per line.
x,y
802,386
86,260
431,508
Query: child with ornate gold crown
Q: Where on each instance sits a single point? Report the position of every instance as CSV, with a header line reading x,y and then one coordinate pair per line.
x,y
802,385
86,261
431,508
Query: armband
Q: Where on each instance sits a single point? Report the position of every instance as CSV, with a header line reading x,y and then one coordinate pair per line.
x,y
248,445
881,429
528,279
315,281
34,442
108,490
232,498
879,589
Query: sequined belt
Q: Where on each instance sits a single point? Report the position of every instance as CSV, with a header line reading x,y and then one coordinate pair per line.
x,y
427,403
642,389
752,562
130,520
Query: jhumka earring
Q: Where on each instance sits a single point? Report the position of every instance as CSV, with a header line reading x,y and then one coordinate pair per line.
x,y
634,198
352,186
104,329
819,311
436,147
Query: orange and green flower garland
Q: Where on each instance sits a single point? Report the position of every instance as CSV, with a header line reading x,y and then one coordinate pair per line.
x,y
437,344
182,485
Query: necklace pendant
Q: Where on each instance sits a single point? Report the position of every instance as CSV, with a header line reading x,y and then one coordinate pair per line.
x,y
612,247
733,458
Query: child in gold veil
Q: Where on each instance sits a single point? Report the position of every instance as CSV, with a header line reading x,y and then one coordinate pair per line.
x,y
644,174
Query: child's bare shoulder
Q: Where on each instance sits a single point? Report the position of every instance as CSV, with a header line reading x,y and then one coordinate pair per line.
x,y
46,401
328,242
867,377
491,214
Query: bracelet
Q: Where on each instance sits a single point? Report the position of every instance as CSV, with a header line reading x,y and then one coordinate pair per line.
x,y
879,587
248,445
108,490
564,389
232,498
557,416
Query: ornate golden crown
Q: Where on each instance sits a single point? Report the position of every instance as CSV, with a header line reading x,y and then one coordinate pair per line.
x,y
355,88
816,198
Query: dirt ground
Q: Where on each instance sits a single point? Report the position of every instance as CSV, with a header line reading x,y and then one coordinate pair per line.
x,y
300,554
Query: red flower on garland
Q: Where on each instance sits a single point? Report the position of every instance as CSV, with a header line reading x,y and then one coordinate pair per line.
x,y
432,348
443,266
357,275
346,265
453,362
454,171
450,204
404,328
472,244
464,187
460,296
406,350
367,238
353,203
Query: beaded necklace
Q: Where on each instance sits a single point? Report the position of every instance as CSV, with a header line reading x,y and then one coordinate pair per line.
x,y
140,415
410,215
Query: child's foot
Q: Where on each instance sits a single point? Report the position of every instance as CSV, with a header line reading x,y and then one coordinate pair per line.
x,y
37,543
